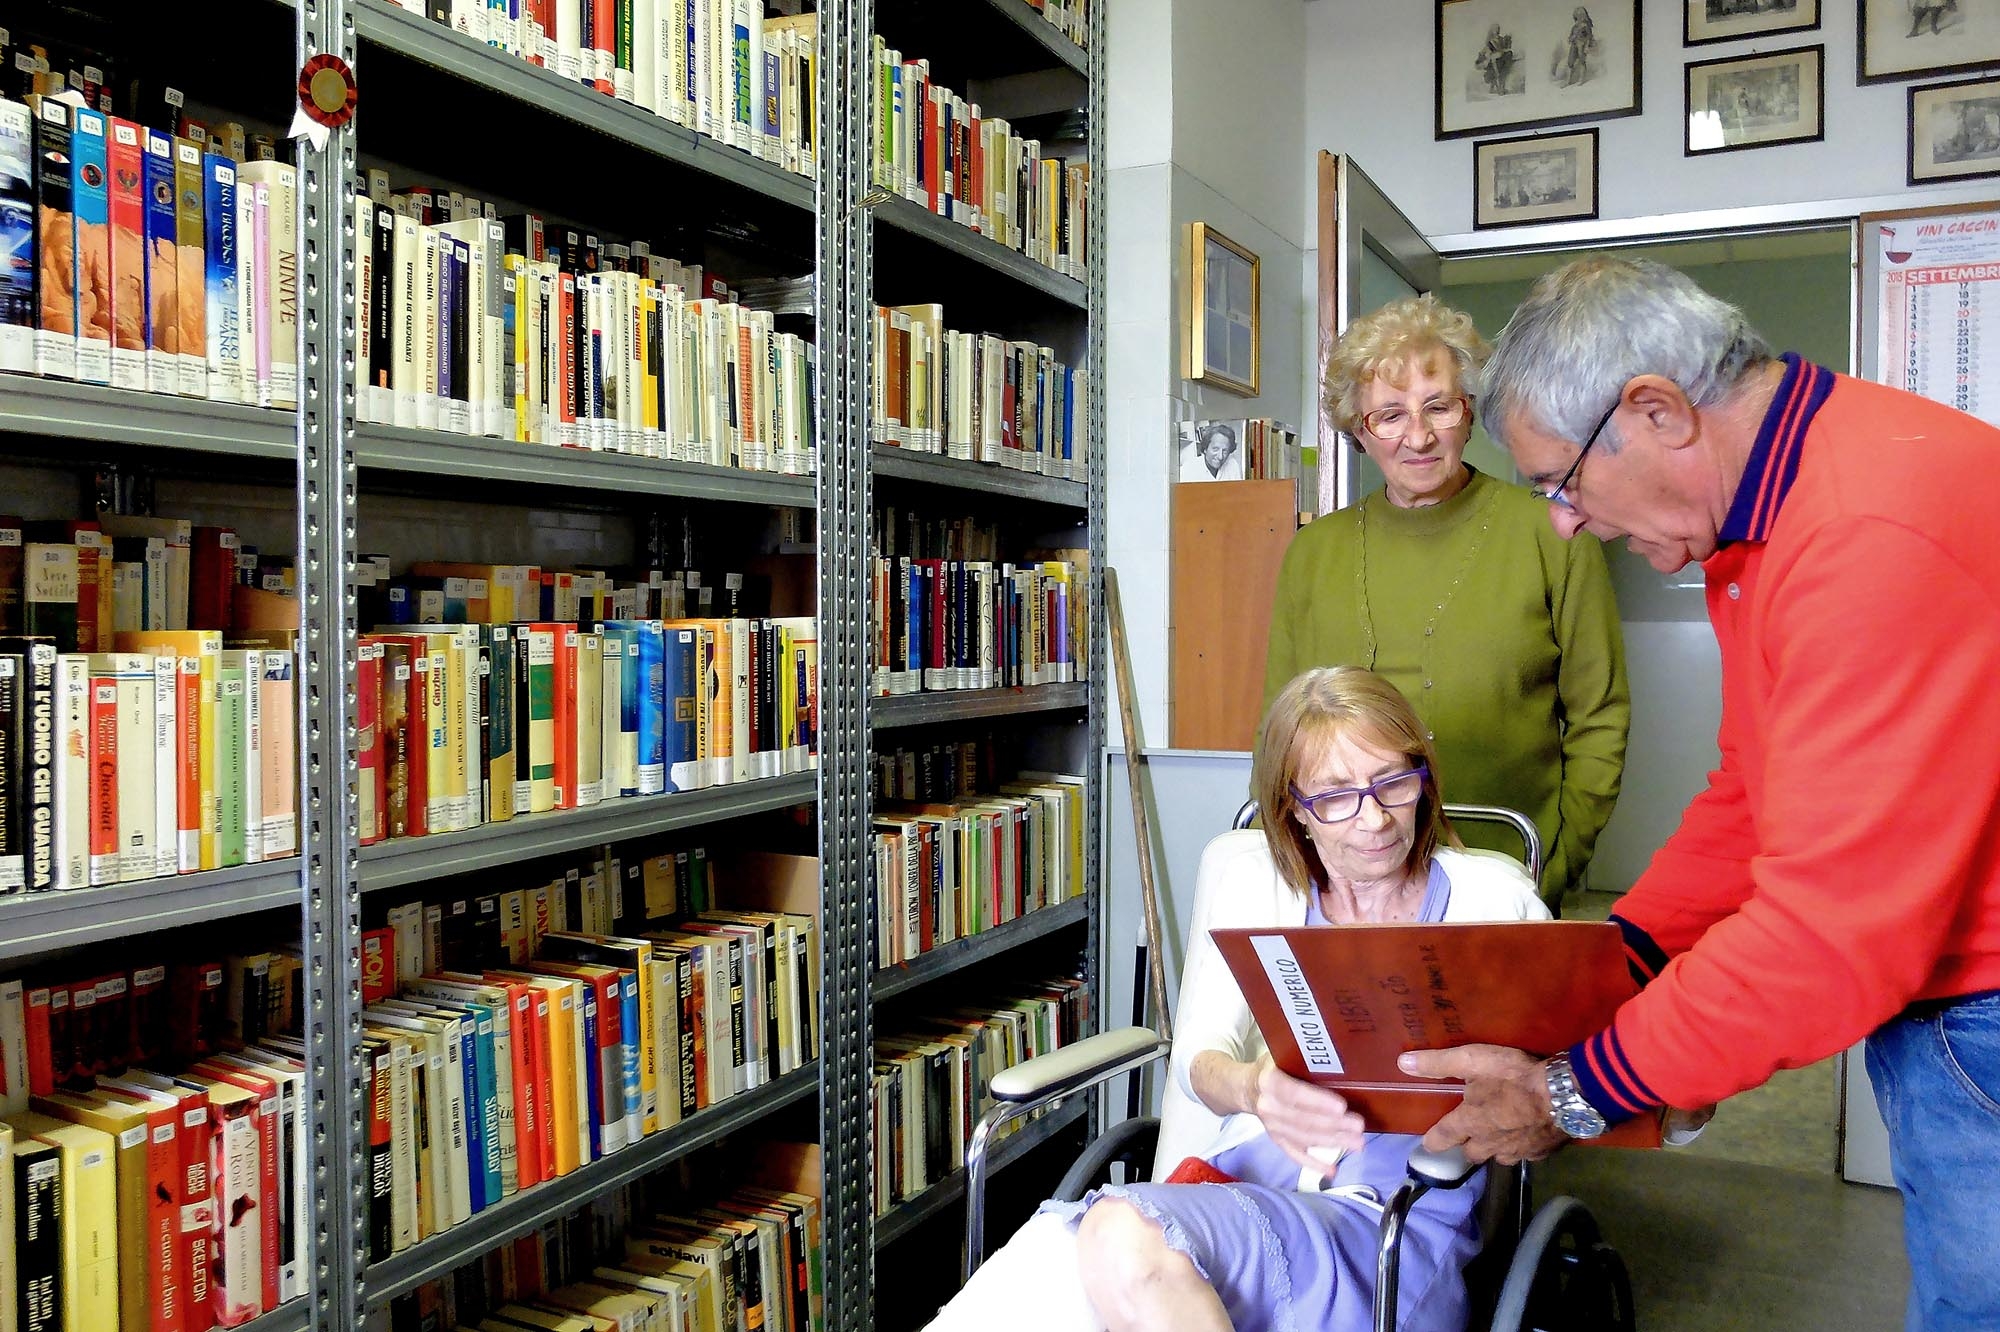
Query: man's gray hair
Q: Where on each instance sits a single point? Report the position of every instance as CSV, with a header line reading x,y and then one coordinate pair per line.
x,y
1588,328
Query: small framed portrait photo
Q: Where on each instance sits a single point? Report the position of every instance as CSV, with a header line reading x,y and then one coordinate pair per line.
x,y
1727,20
1534,178
1223,345
1955,131
1756,101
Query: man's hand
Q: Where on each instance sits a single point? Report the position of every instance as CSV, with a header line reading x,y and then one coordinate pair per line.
x,y
1505,1116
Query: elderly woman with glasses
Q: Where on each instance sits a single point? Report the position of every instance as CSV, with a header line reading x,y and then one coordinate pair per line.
x,y
1453,585
1271,1190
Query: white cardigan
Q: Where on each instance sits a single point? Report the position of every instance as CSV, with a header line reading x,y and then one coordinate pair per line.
x,y
1237,887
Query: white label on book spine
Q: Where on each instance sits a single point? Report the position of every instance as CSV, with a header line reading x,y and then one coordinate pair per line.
x,y
1301,1009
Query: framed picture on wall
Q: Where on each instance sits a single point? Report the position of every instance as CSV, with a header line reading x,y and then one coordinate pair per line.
x,y
1955,131
1223,343
1756,101
1509,64
1535,178
1901,39
1726,20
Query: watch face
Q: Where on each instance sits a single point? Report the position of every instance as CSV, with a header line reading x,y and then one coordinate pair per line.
x,y
1580,1121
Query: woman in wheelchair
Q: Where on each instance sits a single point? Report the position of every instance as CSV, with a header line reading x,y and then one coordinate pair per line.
x,y
1271,1190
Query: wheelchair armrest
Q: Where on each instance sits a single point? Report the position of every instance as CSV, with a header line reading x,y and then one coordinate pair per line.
x,y
1077,1067
1033,1083
1441,1170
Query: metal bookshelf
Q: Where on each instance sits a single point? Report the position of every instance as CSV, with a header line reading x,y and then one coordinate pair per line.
x,y
934,469
416,37
32,923
853,244
292,1317
965,243
946,959
56,410
949,1192
428,461
514,1217
961,705
406,860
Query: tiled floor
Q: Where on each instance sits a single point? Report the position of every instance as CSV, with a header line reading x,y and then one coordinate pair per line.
x,y
1751,1227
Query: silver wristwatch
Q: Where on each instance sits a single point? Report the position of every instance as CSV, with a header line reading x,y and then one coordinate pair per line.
x,y
1573,1115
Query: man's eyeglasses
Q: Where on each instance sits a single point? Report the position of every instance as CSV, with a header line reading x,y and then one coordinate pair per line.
x,y
1392,792
1559,492
1391,423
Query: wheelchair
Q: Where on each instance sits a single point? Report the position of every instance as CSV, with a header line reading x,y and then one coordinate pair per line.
x,y
1549,1270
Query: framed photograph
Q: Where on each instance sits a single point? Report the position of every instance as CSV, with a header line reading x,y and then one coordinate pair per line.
x,y
1211,450
1902,39
1509,64
1955,131
1756,101
1223,344
1535,178
1726,20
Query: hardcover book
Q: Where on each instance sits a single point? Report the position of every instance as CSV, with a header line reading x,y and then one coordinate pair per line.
x,y
1337,1005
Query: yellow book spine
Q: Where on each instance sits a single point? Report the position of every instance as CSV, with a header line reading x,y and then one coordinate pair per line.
x,y
89,1224
649,1044
562,1074
438,805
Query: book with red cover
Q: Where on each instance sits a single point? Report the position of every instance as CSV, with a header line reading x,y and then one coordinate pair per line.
x,y
212,578
373,787
195,1192
1338,1004
405,731
270,1188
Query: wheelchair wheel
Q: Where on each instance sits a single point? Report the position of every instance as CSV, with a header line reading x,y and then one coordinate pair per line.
x,y
1131,1141
1564,1277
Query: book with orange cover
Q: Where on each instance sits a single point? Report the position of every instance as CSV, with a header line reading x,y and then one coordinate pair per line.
x,y
1338,1004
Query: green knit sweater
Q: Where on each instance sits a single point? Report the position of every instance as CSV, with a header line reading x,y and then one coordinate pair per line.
x,y
1520,677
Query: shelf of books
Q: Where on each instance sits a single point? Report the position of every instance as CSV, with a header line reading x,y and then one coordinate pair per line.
x,y
949,957
985,555
948,1192
608,362
36,923
529,1209
285,1318
427,460
930,709
407,860
913,218
58,409
510,73
934,469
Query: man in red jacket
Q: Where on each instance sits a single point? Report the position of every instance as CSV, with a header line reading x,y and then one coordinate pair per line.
x,y
1839,878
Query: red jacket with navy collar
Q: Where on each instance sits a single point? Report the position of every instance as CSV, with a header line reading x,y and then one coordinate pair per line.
x,y
1844,860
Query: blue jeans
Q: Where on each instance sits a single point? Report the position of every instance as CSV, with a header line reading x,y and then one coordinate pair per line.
x,y
1937,1077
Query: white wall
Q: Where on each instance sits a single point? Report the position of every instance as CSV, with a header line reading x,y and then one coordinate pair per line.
x,y
1204,126
1370,94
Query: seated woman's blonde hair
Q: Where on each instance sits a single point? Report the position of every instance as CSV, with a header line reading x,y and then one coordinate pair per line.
x,y
1307,715
1385,344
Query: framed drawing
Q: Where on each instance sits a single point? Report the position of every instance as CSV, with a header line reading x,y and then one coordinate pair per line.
x,y
1756,101
1223,344
1955,131
1902,39
1535,178
1509,64
1726,20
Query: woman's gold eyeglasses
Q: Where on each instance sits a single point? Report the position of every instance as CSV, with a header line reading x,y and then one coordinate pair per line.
x,y
1393,422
